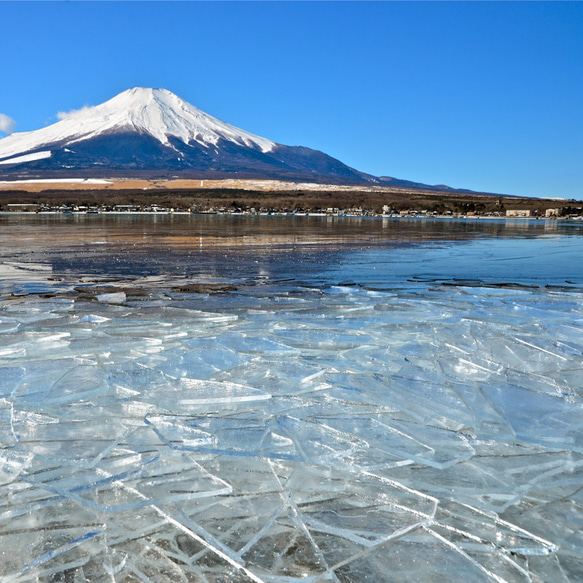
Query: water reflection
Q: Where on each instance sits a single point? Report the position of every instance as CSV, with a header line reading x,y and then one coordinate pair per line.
x,y
310,251
227,229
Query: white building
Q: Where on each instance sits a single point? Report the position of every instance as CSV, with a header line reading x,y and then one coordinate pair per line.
x,y
522,213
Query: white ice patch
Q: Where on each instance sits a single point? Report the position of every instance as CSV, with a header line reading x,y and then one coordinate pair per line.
x,y
112,298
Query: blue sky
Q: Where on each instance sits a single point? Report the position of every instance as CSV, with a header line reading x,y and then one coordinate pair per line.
x,y
480,95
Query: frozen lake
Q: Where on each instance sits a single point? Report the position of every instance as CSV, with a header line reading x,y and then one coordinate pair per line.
x,y
214,398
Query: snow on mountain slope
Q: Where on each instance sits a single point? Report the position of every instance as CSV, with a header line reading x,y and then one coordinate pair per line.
x,y
152,133
156,112
26,158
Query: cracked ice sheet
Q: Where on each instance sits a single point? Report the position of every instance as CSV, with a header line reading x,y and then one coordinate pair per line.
x,y
336,437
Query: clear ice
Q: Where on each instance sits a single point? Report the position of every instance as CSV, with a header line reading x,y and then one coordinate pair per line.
x,y
334,434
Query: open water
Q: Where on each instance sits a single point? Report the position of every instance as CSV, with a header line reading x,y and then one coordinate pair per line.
x,y
216,398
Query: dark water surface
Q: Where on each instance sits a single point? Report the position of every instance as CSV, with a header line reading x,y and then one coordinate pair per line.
x,y
311,251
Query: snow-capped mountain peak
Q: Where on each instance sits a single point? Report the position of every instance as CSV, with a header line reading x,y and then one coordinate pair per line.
x,y
152,133
156,112
162,114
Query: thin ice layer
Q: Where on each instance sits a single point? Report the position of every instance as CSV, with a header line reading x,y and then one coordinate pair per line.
x,y
366,435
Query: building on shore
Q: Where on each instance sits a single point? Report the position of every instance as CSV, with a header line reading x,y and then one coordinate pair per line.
x,y
23,208
520,213
552,212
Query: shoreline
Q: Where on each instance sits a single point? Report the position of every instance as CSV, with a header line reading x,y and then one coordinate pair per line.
x,y
336,215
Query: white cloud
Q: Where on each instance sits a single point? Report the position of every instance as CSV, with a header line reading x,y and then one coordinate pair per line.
x,y
73,113
7,124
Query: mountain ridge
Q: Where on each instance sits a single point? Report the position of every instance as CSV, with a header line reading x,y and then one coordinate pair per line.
x,y
147,132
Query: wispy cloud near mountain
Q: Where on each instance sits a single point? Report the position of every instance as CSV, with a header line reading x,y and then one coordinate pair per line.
x,y
61,115
7,124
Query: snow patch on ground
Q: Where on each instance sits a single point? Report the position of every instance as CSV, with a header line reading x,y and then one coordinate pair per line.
x,y
58,181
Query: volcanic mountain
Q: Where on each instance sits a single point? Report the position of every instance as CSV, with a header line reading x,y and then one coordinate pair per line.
x,y
152,133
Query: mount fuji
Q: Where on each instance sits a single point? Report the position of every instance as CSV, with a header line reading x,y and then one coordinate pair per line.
x,y
152,133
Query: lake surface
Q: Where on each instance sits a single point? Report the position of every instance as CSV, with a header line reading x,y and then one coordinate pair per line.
x,y
218,398
310,250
